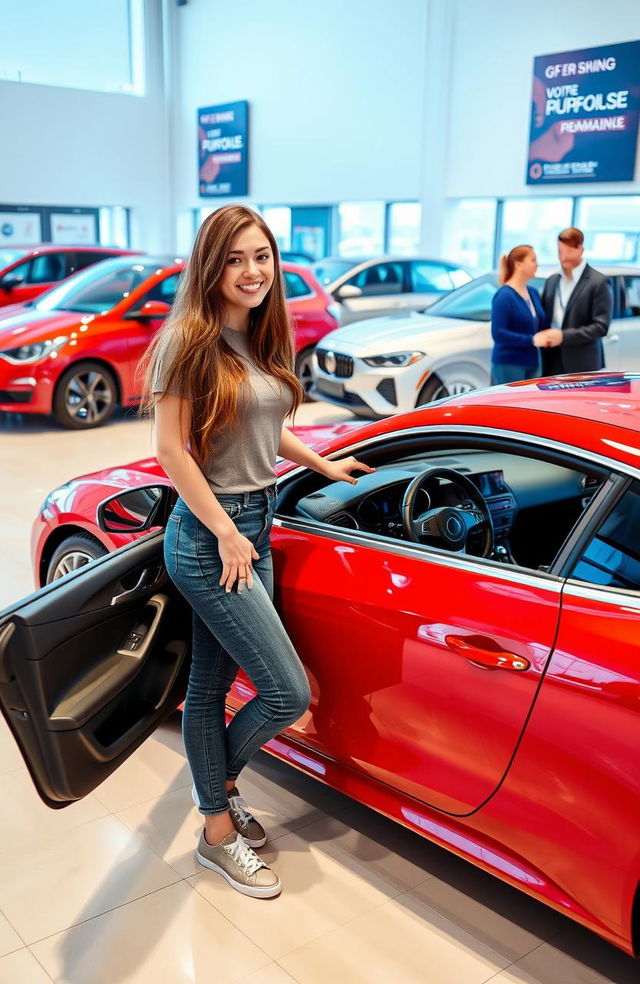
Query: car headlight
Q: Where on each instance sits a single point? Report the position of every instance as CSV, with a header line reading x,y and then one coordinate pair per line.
x,y
35,351
394,359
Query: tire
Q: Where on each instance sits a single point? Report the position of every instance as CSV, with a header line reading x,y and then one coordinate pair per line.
x,y
73,553
434,389
85,396
303,370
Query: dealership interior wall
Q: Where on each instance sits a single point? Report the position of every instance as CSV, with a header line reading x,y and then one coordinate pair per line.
x,y
425,101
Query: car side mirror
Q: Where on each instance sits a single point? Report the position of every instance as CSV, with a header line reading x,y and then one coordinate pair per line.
x,y
11,281
136,510
347,291
150,311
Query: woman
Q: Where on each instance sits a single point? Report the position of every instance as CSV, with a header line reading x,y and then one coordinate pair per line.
x,y
221,381
516,315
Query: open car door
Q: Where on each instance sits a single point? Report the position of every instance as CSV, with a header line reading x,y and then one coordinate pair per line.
x,y
90,665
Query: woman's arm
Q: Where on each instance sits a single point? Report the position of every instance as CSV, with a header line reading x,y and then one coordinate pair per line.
x,y
171,436
293,449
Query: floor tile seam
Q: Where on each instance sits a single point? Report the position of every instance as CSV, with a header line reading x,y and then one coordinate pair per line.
x,y
361,866
132,806
99,915
41,965
16,931
224,916
328,932
471,934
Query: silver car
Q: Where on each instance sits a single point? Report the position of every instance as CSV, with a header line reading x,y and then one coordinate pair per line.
x,y
386,365
387,284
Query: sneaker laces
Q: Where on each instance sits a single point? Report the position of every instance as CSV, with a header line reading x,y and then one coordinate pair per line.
x,y
244,856
239,807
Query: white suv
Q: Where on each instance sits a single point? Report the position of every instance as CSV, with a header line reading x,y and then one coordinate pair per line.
x,y
387,365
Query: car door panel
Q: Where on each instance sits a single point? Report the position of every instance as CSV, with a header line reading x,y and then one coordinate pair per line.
x,y
90,665
385,639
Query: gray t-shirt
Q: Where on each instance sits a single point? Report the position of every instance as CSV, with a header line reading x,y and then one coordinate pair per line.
x,y
244,455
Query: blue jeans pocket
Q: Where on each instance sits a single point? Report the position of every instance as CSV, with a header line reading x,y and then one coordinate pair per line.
x,y
171,535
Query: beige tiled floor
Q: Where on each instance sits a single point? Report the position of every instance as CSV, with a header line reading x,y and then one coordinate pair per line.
x,y
107,891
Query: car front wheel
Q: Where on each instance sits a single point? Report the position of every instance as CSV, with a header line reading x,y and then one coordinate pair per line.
x,y
303,369
434,389
85,397
74,552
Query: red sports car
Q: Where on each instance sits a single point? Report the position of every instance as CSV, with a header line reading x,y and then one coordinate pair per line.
x,y
27,271
75,351
468,616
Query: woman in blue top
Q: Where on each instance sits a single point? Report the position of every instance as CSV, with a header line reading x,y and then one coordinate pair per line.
x,y
516,315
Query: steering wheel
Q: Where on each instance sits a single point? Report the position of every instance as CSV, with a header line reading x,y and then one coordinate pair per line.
x,y
447,526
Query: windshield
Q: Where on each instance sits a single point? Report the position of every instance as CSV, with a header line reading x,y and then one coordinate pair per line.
x,y
326,271
473,301
8,256
98,288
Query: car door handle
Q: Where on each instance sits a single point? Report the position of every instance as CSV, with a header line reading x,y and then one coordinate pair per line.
x,y
483,656
149,576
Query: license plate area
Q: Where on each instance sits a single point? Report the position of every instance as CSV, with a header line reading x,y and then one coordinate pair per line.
x,y
331,388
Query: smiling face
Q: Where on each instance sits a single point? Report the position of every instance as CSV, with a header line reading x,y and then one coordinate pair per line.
x,y
248,275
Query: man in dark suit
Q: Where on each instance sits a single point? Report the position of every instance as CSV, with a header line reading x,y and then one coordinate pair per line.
x,y
578,305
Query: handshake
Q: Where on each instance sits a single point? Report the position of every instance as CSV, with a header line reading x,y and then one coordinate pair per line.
x,y
548,338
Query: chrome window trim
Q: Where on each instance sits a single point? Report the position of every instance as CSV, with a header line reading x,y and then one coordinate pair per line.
x,y
620,597
483,566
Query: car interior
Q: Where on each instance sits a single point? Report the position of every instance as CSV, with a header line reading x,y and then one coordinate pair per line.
x,y
504,505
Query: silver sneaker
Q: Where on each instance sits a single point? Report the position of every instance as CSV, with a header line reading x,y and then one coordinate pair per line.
x,y
244,821
240,865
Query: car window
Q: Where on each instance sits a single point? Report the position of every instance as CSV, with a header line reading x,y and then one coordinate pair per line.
x,y
459,277
295,285
631,297
47,268
612,557
98,287
427,278
21,270
381,278
85,259
472,302
326,271
165,291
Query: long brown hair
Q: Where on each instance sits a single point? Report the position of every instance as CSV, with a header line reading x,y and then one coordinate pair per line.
x,y
508,262
206,371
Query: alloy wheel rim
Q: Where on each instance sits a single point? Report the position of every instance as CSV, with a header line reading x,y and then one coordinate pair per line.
x,y
88,396
304,374
70,562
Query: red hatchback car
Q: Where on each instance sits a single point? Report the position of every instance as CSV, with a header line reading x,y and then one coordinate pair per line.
x,y
75,351
468,616
27,271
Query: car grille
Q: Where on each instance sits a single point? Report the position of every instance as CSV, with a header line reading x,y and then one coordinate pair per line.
x,y
344,364
13,396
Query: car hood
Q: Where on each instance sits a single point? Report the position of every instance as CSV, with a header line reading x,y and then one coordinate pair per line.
x,y
35,326
375,336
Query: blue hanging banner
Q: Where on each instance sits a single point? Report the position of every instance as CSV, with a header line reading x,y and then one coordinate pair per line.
x,y
584,115
223,149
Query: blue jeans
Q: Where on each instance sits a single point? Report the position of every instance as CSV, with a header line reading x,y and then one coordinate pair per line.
x,y
231,630
512,373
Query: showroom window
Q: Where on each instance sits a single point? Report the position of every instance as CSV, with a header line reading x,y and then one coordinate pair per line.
x,y
361,227
611,226
536,221
114,226
403,228
469,233
278,218
56,44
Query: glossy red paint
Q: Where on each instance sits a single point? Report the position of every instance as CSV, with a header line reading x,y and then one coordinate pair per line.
x,y
117,340
533,775
65,260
